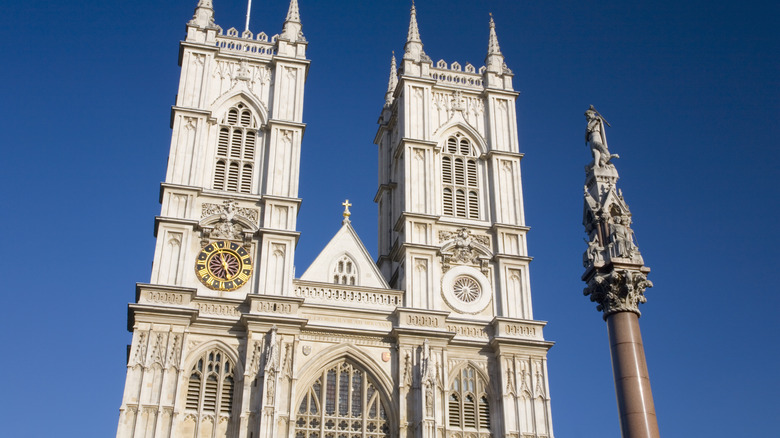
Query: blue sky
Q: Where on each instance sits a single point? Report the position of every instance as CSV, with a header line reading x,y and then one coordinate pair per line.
x,y
692,90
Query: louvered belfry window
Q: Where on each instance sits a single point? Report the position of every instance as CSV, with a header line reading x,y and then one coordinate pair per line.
x,y
468,406
343,402
210,386
236,150
460,178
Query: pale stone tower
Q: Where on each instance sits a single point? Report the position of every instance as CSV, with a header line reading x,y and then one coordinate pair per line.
x,y
616,278
230,198
452,235
435,340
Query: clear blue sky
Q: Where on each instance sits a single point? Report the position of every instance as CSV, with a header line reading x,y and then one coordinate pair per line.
x,y
691,88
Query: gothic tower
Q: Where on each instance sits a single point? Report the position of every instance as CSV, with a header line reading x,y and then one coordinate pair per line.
x,y
226,230
435,339
452,236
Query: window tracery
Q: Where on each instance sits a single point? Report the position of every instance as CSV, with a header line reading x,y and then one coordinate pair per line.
x,y
238,135
345,271
343,402
460,178
468,405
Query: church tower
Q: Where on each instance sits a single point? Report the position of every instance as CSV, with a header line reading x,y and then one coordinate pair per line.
x,y
226,230
435,339
452,236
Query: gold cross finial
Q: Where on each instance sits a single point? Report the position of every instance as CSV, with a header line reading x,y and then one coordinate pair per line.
x,y
346,205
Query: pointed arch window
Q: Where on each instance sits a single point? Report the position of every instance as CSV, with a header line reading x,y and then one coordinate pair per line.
x,y
460,169
238,133
210,385
468,405
343,402
345,271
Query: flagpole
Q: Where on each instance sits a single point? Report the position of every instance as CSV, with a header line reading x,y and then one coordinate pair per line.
x,y
248,11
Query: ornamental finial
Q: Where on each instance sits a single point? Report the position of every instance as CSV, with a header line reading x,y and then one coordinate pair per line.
x,y
346,213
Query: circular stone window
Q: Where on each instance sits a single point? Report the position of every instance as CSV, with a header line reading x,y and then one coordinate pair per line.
x,y
466,289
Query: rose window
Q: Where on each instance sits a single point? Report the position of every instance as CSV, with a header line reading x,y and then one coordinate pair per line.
x,y
466,289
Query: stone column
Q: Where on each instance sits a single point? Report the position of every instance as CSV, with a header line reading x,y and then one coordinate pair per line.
x,y
616,279
632,382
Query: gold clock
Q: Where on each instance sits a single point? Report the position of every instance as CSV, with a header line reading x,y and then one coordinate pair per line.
x,y
223,265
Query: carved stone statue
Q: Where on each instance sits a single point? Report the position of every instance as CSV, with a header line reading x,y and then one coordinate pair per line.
x,y
593,255
621,236
597,139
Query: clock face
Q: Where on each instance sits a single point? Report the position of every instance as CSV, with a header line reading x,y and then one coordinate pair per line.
x,y
223,265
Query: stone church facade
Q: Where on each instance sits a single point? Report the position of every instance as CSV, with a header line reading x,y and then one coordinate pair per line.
x,y
434,339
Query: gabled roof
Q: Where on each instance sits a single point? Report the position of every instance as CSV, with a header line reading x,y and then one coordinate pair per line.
x,y
345,242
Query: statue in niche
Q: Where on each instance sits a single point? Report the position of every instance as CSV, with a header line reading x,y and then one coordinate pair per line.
x,y
622,237
593,255
597,139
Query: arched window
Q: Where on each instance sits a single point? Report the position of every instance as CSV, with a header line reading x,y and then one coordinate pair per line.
x,y
468,405
210,385
236,151
345,271
343,402
460,178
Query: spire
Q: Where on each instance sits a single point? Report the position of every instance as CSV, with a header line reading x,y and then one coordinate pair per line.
x,y
392,82
204,15
413,49
493,48
293,15
292,30
494,60
414,32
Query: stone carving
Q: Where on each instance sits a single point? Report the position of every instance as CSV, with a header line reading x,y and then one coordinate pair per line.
x,y
272,351
427,364
174,352
618,291
597,139
408,369
228,227
271,366
229,208
140,350
593,255
287,367
621,237
461,249
157,356
615,274
257,352
227,230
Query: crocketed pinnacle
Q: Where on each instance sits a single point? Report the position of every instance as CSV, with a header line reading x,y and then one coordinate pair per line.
x,y
204,15
494,62
413,49
392,82
493,48
293,15
292,30
414,31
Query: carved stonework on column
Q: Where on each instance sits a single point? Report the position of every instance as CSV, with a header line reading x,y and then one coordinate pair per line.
x,y
614,269
618,291
616,279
